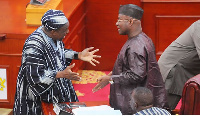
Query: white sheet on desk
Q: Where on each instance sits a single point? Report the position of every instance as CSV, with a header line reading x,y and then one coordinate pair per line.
x,y
96,110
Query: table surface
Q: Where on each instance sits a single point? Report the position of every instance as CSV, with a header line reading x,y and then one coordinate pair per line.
x,y
48,107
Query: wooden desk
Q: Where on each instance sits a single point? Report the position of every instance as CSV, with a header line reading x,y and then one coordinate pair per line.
x,y
6,111
34,13
48,107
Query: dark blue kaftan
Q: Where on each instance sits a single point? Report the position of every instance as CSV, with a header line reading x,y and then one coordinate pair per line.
x,y
36,82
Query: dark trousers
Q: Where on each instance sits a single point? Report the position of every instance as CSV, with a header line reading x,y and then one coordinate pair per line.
x,y
173,100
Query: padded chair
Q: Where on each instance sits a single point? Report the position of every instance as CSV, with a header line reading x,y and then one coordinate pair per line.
x,y
191,97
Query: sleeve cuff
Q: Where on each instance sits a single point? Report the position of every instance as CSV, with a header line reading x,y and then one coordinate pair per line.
x,y
115,78
71,54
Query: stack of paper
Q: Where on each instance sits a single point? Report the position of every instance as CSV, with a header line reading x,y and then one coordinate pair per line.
x,y
96,110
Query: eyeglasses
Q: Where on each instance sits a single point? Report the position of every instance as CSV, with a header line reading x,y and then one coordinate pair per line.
x,y
120,20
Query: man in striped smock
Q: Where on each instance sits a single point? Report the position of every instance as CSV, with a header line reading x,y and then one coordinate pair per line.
x,y
142,102
45,70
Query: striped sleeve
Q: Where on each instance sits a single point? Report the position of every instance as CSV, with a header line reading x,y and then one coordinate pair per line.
x,y
153,111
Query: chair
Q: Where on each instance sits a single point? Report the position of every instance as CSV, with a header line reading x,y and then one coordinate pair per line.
x,y
191,97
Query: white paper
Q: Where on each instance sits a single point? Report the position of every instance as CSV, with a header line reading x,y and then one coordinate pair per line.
x,y
56,109
96,110
3,84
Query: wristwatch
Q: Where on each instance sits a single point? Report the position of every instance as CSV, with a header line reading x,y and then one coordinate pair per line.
x,y
76,55
111,81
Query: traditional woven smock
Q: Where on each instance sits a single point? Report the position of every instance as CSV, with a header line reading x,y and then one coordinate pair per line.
x,y
36,82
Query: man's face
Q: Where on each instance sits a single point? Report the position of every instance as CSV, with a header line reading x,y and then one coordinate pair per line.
x,y
123,24
60,33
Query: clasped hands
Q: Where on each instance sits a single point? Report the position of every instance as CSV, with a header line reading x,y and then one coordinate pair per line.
x,y
86,55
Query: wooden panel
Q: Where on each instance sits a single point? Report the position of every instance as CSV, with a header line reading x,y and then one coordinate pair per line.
x,y
164,21
70,6
11,63
164,33
12,44
13,17
10,57
102,32
100,20
81,46
76,38
75,44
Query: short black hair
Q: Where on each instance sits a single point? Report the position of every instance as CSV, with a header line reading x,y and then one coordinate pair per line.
x,y
143,96
131,10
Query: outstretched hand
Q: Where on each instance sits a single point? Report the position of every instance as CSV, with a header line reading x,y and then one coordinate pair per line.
x,y
102,82
67,73
88,56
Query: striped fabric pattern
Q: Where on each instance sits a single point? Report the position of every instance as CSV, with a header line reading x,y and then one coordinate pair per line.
x,y
36,82
153,111
54,19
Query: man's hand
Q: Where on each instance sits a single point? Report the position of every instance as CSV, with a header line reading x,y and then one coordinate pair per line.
x,y
67,73
102,82
88,56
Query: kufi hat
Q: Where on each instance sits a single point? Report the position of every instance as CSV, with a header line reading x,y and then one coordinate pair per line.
x,y
131,10
54,19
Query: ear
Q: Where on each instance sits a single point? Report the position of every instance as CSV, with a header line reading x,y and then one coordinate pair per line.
x,y
132,21
136,106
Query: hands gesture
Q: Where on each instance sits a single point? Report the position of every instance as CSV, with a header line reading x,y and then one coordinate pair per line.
x,y
102,82
67,73
88,56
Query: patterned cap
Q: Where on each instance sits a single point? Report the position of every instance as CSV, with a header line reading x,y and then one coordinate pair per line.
x,y
54,19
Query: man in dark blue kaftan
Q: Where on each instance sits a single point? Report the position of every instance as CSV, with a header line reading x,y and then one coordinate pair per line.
x,y
45,70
